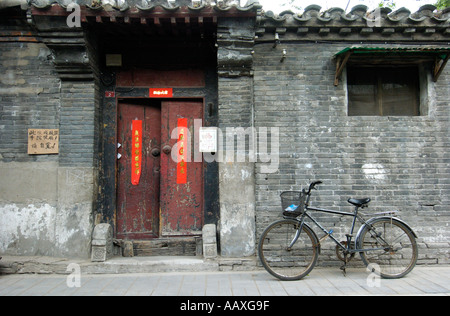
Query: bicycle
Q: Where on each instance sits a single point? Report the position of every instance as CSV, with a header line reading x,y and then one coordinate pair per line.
x,y
289,248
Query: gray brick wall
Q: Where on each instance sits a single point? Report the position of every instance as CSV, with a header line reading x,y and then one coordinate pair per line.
x,y
29,97
32,96
46,201
400,162
235,102
78,123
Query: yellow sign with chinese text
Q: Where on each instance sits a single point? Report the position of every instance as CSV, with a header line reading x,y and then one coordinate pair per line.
x,y
43,141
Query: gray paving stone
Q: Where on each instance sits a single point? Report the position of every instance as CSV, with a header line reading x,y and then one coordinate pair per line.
x,y
321,282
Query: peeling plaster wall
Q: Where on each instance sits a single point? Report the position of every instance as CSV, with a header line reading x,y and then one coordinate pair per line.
x,y
27,230
45,230
45,209
237,215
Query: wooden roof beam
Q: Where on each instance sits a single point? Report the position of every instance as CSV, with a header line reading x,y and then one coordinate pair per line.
x,y
340,66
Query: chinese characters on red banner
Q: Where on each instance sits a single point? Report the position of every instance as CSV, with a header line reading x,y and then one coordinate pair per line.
x,y
182,151
161,93
136,152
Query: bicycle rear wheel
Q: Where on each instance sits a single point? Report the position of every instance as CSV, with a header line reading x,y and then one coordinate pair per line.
x,y
279,258
393,247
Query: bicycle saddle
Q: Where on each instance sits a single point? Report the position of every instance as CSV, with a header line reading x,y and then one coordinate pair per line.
x,y
359,202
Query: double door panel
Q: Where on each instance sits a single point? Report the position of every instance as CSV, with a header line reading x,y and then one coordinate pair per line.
x,y
168,199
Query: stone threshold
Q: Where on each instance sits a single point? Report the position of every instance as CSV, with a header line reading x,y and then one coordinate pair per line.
x,y
122,265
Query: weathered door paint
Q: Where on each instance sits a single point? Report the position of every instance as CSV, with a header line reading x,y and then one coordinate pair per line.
x,y
181,204
138,205
159,206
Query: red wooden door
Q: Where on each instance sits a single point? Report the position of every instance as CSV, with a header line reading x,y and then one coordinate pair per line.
x,y
138,205
159,205
181,203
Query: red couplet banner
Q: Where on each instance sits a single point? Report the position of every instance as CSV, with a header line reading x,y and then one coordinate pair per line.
x,y
182,151
136,152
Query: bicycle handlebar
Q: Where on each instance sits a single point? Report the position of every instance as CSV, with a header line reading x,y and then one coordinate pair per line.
x,y
312,185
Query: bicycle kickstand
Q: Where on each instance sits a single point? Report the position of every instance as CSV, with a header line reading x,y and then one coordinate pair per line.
x,y
344,266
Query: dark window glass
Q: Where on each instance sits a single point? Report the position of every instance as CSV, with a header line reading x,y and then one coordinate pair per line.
x,y
383,91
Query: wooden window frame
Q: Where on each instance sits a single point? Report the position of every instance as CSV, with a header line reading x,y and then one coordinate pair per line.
x,y
387,83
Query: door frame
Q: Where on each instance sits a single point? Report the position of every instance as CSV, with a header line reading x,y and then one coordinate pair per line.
x,y
106,201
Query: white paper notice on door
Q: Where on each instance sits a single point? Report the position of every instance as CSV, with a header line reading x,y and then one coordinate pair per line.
x,y
208,139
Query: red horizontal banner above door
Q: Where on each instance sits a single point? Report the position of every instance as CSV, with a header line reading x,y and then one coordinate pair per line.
x,y
161,93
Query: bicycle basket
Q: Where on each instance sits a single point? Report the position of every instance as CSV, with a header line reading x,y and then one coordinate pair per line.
x,y
293,203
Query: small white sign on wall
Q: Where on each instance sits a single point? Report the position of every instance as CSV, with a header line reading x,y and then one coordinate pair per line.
x,y
208,139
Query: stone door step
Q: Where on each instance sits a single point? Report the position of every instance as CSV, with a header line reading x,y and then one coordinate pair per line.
x,y
115,265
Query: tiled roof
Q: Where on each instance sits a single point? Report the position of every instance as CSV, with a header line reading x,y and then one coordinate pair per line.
x,y
401,24
149,5
360,13
312,23
312,12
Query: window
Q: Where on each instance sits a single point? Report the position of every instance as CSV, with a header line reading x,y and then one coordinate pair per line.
x,y
390,81
383,91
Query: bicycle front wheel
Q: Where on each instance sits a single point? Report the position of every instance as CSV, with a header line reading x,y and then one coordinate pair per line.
x,y
284,253
390,248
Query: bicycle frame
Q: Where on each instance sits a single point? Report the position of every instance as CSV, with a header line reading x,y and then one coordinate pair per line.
x,y
355,216
349,237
